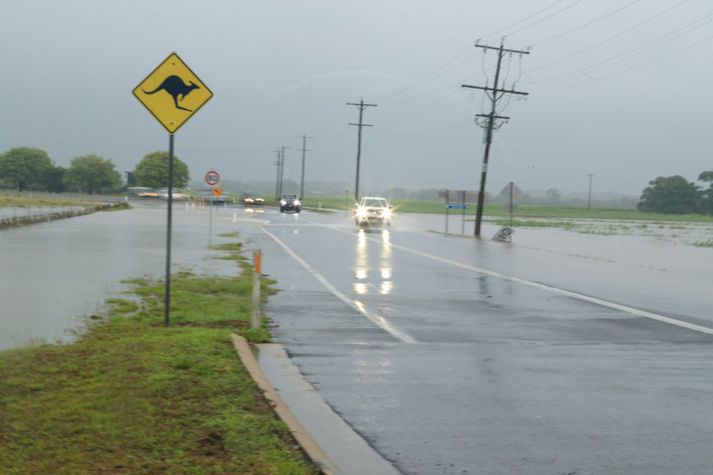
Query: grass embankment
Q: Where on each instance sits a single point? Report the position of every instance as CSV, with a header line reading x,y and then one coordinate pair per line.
x,y
35,202
131,396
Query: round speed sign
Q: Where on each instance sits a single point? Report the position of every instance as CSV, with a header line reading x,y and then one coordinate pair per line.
x,y
212,177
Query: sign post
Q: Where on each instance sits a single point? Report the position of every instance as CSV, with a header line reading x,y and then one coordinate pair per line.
x,y
212,178
172,93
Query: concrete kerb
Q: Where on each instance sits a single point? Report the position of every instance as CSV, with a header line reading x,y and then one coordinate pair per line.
x,y
308,444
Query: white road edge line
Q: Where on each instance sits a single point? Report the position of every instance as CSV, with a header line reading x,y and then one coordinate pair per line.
x,y
380,321
568,293
575,295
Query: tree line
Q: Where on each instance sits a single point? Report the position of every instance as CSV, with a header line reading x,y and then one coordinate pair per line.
x,y
26,168
676,195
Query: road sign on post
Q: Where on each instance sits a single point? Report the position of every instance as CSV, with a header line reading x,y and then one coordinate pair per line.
x,y
172,93
212,177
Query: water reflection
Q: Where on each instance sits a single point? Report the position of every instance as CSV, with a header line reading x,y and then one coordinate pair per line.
x,y
361,265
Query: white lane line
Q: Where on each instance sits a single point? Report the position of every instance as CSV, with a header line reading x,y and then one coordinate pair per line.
x,y
575,295
568,293
380,321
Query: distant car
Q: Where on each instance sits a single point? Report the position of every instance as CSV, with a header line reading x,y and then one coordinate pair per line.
x,y
290,203
373,210
251,199
147,193
178,194
209,198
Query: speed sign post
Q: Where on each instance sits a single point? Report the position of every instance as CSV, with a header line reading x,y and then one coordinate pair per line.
x,y
212,178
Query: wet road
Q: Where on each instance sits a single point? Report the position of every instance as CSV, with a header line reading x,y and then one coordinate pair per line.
x,y
450,355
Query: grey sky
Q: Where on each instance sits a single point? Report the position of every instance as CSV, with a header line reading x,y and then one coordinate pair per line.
x,y
282,68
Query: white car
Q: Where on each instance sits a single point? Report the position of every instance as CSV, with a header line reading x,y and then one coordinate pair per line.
x,y
177,194
373,210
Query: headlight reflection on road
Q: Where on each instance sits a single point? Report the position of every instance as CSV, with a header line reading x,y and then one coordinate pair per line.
x,y
361,265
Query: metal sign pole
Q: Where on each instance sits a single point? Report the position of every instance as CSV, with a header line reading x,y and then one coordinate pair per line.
x,y
448,200
210,224
167,299
462,219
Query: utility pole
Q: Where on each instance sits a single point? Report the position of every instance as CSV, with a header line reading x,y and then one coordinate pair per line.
x,y
282,170
277,178
494,93
361,105
589,199
304,150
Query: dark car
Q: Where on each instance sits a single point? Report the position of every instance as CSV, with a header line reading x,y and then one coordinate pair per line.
x,y
251,199
290,203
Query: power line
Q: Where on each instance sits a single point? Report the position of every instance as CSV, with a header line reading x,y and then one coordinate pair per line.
x,y
606,40
685,29
545,18
607,15
497,32
641,65
497,93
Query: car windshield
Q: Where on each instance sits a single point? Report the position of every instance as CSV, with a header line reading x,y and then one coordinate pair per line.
x,y
289,197
375,202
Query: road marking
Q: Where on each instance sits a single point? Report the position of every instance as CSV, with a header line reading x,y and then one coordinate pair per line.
x,y
568,293
557,290
380,321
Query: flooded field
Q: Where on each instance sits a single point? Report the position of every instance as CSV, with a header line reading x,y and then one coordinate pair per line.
x,y
56,274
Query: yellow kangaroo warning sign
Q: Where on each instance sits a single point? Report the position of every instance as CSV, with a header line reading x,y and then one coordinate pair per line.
x,y
172,93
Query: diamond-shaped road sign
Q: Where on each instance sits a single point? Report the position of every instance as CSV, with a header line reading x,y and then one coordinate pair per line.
x,y
172,93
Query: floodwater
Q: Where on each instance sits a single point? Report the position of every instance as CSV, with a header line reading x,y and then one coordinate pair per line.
x,y
56,274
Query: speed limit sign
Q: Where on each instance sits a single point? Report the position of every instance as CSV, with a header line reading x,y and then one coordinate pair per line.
x,y
212,177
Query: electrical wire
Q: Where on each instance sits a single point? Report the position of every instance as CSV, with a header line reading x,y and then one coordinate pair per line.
x,y
545,18
641,65
584,25
524,19
432,75
677,33
606,40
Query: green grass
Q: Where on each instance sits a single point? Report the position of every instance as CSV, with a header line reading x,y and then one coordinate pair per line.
x,y
708,243
26,201
131,396
523,211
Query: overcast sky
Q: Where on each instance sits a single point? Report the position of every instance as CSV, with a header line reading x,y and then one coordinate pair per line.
x,y
618,88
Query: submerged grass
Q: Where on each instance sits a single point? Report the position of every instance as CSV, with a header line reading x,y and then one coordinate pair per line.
x,y
707,243
131,396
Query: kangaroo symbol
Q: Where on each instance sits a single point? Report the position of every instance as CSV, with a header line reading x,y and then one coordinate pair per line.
x,y
175,86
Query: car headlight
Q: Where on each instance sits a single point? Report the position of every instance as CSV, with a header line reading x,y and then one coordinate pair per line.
x,y
297,202
361,212
249,200
283,202
387,213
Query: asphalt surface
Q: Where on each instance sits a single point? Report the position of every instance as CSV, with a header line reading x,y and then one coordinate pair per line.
x,y
450,355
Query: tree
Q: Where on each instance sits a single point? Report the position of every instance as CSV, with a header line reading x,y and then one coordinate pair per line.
x,y
25,167
671,195
152,171
53,179
707,196
92,173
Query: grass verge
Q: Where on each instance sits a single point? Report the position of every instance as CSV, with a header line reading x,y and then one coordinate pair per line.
x,y
523,211
131,396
